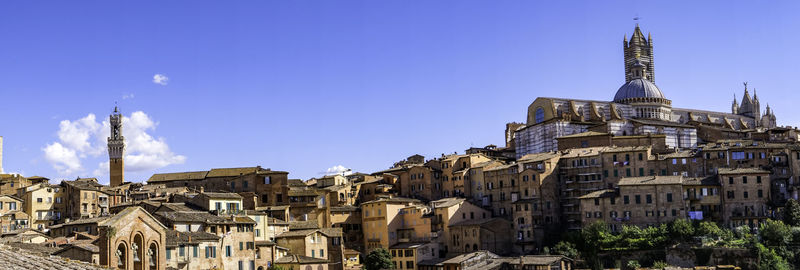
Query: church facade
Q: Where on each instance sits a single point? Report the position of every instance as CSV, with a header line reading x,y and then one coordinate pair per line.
x,y
639,107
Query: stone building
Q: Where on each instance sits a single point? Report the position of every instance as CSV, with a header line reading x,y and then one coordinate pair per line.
x,y
490,234
381,221
639,107
84,199
132,239
44,204
745,196
641,201
269,186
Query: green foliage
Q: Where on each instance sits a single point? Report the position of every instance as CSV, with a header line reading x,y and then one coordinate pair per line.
x,y
709,229
660,265
791,214
769,260
378,259
565,248
681,229
633,265
774,233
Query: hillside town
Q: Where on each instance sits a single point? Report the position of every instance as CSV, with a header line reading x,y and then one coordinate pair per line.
x,y
573,168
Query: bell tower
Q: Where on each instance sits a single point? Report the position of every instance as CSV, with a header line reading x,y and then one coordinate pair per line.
x,y
640,48
116,149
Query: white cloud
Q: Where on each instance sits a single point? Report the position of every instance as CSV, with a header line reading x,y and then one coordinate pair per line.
x,y
63,159
75,135
85,139
160,79
128,96
338,169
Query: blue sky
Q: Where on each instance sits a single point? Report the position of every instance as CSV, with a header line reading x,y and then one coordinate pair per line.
x,y
304,86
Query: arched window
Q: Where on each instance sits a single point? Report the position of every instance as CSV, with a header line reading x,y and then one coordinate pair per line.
x,y
121,255
475,247
137,248
539,117
152,257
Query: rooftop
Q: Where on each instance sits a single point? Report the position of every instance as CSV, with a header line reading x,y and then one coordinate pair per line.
x,y
651,180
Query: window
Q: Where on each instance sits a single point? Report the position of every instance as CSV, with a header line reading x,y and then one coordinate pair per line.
x,y
267,180
758,179
760,193
638,199
539,116
241,245
613,200
640,156
244,184
596,201
649,198
228,251
194,251
605,173
321,253
730,180
627,157
730,195
616,173
744,179
313,253
744,194
211,252
182,251
669,197
641,171
626,199
628,172
169,253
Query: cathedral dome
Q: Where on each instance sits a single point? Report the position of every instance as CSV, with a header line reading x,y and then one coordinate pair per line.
x,y
636,89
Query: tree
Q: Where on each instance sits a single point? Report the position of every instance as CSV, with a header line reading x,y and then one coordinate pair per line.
x,y
681,230
378,259
595,237
791,215
774,233
769,260
709,229
565,248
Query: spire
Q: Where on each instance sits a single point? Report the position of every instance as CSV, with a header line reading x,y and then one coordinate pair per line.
x,y
755,95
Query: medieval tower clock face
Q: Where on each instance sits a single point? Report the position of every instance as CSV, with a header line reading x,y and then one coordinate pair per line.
x,y
116,149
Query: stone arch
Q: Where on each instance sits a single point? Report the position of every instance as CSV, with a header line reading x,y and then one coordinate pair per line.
x,y
152,256
121,255
320,267
308,267
137,251
474,247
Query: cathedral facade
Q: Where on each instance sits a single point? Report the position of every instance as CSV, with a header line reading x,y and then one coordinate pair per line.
x,y
639,107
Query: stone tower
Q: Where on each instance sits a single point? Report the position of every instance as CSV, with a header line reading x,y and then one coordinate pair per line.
x,y
750,107
116,149
641,48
